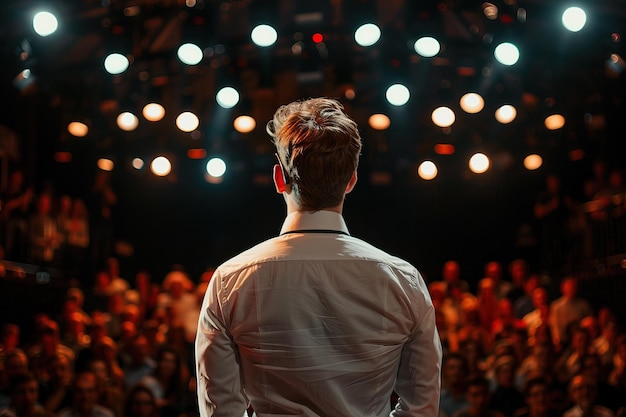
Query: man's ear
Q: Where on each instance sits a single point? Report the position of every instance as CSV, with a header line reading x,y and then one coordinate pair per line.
x,y
351,183
279,179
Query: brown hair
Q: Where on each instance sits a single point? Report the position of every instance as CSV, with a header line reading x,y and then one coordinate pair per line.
x,y
318,147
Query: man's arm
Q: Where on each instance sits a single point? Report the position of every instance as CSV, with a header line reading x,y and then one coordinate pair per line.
x,y
419,374
219,385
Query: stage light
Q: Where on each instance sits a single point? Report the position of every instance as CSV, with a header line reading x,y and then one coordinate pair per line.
x,y
127,121
367,34
533,162
187,121
427,170
189,54
137,163
479,163
427,46
444,149
105,164
196,153
554,122
63,157
227,97
264,35
45,23
472,103
216,167
506,53
397,95
574,19
443,117
506,114
153,112
490,10
161,166
379,121
116,63
78,129
244,124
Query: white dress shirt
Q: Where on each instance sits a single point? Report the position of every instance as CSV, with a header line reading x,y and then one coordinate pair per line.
x,y
315,322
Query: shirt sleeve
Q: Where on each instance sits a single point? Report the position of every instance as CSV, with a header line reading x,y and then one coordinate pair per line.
x,y
419,374
219,385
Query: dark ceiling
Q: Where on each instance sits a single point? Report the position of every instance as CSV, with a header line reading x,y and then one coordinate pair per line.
x,y
558,71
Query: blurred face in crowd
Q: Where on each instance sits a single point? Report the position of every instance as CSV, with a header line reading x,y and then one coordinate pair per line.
x,y
478,399
583,392
537,399
24,397
142,404
569,288
454,371
85,393
451,271
168,363
539,297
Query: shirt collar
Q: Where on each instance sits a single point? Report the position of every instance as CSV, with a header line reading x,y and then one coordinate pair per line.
x,y
314,220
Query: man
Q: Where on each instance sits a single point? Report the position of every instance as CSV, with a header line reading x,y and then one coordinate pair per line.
x,y
315,322
478,397
85,398
453,393
583,394
24,398
567,309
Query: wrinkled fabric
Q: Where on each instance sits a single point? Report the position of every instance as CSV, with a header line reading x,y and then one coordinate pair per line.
x,y
317,323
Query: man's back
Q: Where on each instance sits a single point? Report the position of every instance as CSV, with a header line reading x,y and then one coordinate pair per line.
x,y
320,321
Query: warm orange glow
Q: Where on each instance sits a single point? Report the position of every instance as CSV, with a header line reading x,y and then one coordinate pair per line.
x,y
444,149
554,122
78,129
532,162
196,153
63,157
576,154
244,124
379,121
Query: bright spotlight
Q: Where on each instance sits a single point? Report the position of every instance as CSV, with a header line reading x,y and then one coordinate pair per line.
x,y
127,121
554,122
398,95
379,121
187,121
472,103
264,35
574,19
227,97
137,163
443,117
78,129
427,46
506,114
153,112
45,23
116,63
506,53
427,170
216,167
244,124
189,54
490,10
367,34
479,163
161,166
105,164
532,162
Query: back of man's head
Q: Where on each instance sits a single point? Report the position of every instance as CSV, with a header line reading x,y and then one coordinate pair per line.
x,y
318,147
